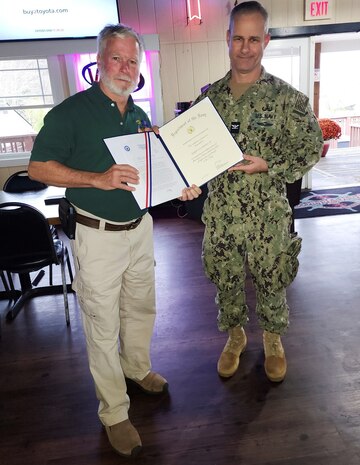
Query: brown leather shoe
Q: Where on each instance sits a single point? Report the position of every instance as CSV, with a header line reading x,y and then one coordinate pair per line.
x,y
152,384
229,359
275,361
124,438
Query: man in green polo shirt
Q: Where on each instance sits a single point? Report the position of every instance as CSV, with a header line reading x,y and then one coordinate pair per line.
x,y
113,245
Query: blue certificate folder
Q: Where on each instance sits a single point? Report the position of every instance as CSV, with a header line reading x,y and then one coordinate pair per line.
x,y
191,149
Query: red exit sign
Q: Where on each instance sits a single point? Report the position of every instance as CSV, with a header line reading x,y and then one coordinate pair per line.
x,y
318,10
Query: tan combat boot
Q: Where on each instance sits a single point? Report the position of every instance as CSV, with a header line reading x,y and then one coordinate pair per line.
x,y
275,361
230,357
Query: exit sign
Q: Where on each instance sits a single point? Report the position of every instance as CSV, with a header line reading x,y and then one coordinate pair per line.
x,y
318,10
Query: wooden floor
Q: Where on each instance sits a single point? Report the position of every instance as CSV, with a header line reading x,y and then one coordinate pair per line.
x,y
48,406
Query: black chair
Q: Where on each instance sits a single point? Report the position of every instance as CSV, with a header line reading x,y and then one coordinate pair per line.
x,y
19,183
6,286
4,281
26,246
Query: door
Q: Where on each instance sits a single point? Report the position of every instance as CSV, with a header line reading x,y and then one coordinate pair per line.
x,y
293,61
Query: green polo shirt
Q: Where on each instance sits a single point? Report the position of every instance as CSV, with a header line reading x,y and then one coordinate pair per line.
x,y
73,134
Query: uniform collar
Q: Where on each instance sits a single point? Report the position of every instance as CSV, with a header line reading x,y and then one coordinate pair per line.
x,y
264,76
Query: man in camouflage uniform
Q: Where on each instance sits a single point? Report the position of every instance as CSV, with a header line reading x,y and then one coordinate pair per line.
x,y
247,215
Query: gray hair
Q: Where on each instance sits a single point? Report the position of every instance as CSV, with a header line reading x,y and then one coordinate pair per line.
x,y
246,8
121,31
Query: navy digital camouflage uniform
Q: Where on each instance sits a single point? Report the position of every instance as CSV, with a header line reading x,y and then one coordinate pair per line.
x,y
248,217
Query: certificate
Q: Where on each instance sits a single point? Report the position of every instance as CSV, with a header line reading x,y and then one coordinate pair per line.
x,y
193,148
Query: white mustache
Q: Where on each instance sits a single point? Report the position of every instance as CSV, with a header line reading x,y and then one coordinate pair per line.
x,y
123,78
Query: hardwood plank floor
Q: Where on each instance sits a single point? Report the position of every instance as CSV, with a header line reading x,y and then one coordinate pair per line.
x,y
48,406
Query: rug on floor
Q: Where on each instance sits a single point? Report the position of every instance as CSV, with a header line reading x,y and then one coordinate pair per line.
x,y
328,202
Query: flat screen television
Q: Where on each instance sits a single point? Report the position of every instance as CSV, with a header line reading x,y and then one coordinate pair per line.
x,y
56,19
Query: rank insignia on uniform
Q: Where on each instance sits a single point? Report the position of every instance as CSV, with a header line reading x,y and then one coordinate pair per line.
x,y
301,104
235,128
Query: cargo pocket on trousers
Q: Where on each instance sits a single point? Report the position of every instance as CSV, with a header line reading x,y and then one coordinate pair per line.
x,y
289,263
85,297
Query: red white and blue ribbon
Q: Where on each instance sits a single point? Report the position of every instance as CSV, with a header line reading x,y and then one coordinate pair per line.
x,y
148,168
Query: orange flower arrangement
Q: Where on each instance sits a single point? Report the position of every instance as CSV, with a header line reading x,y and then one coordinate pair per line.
x,y
330,129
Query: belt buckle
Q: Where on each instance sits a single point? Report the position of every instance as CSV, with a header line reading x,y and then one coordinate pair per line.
x,y
134,224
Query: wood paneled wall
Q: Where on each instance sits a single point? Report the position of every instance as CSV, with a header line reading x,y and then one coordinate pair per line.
x,y
196,54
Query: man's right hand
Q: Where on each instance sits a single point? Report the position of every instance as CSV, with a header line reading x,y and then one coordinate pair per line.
x,y
117,177
54,173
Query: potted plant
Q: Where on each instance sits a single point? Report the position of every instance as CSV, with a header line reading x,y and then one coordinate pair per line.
x,y
330,130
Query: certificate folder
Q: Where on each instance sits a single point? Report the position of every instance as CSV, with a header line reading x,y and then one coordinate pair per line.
x,y
193,148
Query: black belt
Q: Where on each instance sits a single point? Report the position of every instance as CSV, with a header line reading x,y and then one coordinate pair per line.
x,y
94,223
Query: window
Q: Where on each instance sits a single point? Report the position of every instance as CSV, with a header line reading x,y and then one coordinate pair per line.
x,y
25,98
30,87
285,64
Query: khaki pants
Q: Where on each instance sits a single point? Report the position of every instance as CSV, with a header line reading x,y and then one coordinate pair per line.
x,y
115,286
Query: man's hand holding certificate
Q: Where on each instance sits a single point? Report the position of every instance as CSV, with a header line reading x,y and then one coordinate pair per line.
x,y
190,149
